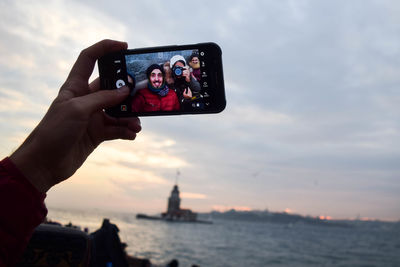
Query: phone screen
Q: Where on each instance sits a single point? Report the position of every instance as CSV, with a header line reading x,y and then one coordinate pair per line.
x,y
166,81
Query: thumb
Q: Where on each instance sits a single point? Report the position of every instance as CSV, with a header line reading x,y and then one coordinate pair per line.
x,y
104,99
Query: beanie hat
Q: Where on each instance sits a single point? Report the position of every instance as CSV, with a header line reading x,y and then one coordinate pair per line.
x,y
153,67
175,59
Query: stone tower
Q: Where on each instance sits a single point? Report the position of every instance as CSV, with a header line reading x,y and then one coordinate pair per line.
x,y
174,201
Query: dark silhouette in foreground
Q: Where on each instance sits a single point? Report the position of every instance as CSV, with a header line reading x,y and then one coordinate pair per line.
x,y
55,245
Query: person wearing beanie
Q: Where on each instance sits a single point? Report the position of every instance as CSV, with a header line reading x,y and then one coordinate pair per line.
x,y
156,96
175,59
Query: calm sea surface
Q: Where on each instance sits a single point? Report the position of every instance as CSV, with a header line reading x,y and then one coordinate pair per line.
x,y
239,243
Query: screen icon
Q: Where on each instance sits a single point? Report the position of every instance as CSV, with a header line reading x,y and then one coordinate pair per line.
x,y
205,84
120,83
202,53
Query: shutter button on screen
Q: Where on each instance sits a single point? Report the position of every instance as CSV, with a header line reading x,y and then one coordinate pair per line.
x,y
120,83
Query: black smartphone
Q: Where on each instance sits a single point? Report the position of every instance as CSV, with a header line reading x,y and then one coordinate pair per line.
x,y
168,80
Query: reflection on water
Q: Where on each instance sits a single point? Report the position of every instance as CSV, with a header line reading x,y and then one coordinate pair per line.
x,y
239,243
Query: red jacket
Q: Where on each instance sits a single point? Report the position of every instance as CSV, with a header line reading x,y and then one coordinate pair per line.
x,y
144,101
22,209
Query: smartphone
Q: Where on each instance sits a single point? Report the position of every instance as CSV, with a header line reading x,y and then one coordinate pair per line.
x,y
168,80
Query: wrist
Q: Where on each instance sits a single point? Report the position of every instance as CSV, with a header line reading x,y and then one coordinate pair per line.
x,y
28,162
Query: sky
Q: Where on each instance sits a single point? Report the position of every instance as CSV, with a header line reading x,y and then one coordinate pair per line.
x,y
312,119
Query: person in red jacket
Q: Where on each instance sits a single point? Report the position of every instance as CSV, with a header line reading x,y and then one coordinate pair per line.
x,y
156,96
72,128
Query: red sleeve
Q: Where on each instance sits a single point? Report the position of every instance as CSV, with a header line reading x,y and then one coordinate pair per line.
x,y
22,209
138,102
177,106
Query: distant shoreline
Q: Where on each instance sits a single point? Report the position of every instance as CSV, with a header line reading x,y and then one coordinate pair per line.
x,y
242,215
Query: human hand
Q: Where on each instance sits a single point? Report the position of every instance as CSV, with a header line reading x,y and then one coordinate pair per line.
x,y
187,93
186,74
75,124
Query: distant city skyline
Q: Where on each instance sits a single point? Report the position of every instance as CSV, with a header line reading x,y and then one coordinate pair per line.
x,y
312,119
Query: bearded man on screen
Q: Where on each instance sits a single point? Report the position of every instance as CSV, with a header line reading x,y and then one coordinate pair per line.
x,y
156,96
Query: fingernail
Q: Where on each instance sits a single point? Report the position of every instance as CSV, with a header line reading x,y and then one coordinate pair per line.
x,y
123,90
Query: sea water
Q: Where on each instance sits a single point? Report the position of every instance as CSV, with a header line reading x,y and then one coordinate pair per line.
x,y
243,243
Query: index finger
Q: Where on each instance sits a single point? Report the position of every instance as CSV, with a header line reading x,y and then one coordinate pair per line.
x,y
84,65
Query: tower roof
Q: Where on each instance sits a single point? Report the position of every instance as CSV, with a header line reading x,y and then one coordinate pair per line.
x,y
175,189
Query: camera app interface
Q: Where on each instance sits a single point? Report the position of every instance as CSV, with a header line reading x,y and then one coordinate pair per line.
x,y
165,81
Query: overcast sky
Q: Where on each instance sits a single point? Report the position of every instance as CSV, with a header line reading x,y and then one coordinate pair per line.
x,y
313,104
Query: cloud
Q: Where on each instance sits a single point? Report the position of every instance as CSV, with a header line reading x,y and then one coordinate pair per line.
x,y
258,116
52,24
188,195
137,180
311,97
144,153
14,101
